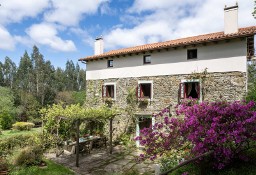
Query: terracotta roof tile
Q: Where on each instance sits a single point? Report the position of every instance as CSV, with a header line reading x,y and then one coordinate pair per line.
x,y
247,31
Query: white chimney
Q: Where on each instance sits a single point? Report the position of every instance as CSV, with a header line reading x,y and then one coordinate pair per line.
x,y
231,19
98,46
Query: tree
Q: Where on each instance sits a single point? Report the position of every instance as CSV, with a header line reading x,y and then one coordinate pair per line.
x,y
24,73
7,109
9,72
38,69
48,91
70,76
1,74
59,77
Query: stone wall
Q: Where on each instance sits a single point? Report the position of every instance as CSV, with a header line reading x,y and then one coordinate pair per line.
x,y
229,86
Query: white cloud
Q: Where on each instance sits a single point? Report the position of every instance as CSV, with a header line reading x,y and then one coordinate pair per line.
x,y
16,10
69,12
7,42
46,34
169,19
86,38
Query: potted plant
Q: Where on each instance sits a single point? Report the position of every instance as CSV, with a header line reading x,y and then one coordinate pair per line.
x,y
144,101
109,101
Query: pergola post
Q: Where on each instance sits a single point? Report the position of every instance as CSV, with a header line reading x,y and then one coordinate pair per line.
x,y
77,142
110,135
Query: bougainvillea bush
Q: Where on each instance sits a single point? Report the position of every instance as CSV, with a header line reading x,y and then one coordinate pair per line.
x,y
224,128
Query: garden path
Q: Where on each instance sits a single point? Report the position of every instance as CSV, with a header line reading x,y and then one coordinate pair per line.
x,y
100,162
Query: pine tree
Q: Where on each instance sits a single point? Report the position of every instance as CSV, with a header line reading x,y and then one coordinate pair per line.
x,y
24,73
9,72
1,74
70,76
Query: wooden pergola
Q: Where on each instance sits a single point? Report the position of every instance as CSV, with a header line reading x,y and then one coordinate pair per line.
x,y
78,114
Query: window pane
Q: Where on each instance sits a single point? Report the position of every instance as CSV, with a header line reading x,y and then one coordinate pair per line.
x,y
110,63
192,54
146,90
147,59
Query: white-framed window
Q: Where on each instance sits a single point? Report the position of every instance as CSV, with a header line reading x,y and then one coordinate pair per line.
x,y
109,90
145,90
190,89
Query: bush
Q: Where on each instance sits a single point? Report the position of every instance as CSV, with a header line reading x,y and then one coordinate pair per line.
x,y
6,120
7,145
224,129
29,156
21,126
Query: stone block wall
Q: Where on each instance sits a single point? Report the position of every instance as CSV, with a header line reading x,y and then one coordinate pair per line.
x,y
229,86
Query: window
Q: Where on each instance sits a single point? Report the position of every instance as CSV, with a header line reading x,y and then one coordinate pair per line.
x,y
147,59
144,90
191,54
190,89
108,91
110,63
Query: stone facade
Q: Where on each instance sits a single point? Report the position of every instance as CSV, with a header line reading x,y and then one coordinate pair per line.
x,y
229,86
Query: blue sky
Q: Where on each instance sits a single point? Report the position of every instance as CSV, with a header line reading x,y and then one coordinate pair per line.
x,y
65,29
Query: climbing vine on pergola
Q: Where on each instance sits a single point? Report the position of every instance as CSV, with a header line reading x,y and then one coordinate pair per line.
x,y
76,114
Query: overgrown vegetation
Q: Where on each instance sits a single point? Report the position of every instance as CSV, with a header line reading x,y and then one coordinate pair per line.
x,y
34,84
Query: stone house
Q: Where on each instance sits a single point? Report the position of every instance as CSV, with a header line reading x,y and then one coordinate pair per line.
x,y
207,67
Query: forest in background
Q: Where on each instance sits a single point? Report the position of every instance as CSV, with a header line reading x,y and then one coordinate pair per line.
x,y
36,83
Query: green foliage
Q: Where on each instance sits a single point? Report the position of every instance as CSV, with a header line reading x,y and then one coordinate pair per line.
x,y
63,118
29,156
64,97
125,139
21,126
131,106
6,120
51,169
7,109
251,95
9,144
79,97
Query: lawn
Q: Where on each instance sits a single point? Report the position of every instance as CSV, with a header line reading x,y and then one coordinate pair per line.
x,y
8,133
51,169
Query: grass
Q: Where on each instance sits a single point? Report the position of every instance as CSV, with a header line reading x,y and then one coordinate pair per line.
x,y
51,169
8,133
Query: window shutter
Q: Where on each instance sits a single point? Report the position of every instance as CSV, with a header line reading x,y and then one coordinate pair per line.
x,y
182,91
104,91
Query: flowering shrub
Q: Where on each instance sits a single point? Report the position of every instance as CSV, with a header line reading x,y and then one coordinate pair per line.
x,y
223,127
226,128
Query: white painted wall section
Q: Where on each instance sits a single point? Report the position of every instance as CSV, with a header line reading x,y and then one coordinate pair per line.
x,y
214,65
